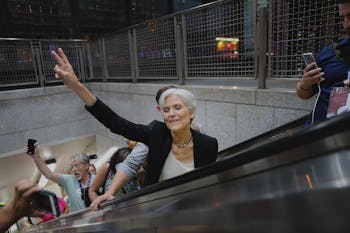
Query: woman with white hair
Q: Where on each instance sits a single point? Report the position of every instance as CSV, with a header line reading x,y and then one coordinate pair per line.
x,y
174,148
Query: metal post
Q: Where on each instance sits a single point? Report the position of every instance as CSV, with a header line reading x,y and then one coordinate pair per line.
x,y
89,59
133,55
269,47
38,62
103,59
261,43
184,46
79,47
180,65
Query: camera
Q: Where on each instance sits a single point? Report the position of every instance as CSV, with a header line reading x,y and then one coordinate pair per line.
x,y
46,201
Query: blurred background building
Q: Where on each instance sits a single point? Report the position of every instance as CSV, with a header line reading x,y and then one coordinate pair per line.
x,y
65,19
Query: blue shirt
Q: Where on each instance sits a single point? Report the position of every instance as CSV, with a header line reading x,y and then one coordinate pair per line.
x,y
72,186
335,71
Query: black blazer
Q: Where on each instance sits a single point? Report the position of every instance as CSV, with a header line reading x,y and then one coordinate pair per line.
x,y
158,139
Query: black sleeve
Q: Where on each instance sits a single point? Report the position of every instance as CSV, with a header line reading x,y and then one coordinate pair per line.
x,y
118,124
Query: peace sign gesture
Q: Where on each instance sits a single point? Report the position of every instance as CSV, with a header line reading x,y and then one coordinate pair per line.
x,y
64,70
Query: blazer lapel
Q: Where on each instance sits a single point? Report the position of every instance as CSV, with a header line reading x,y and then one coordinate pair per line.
x,y
159,158
196,148
165,150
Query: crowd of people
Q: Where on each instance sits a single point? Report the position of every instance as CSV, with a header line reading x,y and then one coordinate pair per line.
x,y
169,145
160,150
163,150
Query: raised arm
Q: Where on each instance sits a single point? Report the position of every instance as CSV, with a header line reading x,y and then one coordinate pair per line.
x,y
137,156
133,162
98,181
97,108
119,180
125,171
41,165
65,72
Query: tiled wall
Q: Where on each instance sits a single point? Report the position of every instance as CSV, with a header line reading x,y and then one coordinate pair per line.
x,y
54,115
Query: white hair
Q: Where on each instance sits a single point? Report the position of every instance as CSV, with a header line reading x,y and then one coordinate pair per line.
x,y
187,97
81,158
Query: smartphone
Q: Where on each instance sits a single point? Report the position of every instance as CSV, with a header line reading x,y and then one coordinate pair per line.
x,y
46,201
31,146
309,58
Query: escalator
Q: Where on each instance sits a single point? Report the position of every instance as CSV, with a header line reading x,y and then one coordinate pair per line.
x,y
290,179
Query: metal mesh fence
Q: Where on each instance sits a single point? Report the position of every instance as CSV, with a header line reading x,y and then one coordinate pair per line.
x,y
70,48
299,26
94,59
220,40
118,55
17,64
155,49
215,41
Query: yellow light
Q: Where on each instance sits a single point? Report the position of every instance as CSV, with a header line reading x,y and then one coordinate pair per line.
x,y
227,39
308,180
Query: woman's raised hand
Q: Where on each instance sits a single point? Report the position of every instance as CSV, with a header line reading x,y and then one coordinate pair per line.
x,y
95,205
64,70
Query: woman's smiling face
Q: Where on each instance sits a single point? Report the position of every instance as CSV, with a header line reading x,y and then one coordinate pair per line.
x,y
177,116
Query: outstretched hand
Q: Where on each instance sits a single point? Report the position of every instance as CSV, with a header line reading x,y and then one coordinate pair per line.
x,y
64,70
96,203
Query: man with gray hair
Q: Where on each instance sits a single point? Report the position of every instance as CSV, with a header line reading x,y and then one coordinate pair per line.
x,y
76,185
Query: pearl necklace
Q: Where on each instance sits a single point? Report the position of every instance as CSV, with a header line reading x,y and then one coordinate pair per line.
x,y
184,144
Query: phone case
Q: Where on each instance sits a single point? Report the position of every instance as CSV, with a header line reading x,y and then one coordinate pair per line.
x,y
308,58
31,146
47,201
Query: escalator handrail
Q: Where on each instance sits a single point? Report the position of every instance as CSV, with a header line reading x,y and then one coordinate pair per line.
x,y
254,153
292,125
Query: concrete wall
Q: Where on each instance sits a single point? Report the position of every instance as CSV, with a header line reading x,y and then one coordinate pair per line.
x,y
54,115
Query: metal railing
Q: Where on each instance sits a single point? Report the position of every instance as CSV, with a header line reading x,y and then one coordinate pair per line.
x,y
223,40
299,26
29,62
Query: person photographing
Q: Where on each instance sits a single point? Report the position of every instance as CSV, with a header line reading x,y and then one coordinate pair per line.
x,y
76,185
330,70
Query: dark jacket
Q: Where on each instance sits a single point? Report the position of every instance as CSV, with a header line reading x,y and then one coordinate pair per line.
x,y
157,137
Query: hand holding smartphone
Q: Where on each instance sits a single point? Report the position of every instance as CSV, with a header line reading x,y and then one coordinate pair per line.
x,y
31,147
46,201
309,58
